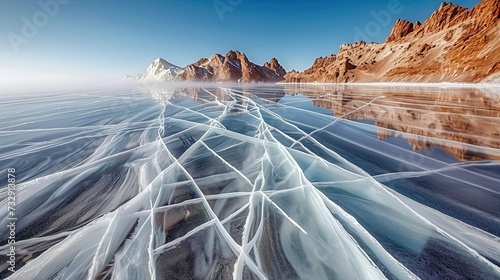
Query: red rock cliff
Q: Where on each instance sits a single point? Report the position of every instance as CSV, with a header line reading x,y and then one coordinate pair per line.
x,y
454,45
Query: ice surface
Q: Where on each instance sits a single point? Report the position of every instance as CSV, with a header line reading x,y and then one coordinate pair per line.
x,y
239,182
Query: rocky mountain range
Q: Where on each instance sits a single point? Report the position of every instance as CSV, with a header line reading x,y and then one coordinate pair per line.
x,y
454,45
233,67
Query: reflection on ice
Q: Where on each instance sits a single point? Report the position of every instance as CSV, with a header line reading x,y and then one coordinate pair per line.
x,y
242,182
424,116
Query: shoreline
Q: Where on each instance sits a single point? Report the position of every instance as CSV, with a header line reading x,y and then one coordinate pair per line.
x,y
400,84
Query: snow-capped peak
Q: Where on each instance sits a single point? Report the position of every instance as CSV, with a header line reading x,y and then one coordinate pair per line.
x,y
161,70
164,63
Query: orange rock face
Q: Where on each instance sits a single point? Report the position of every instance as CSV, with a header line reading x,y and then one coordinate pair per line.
x,y
454,45
275,66
234,67
400,30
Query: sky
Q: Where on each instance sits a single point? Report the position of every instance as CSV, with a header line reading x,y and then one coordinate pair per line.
x,y
112,38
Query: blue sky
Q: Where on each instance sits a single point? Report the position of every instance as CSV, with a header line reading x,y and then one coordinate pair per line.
x,y
111,38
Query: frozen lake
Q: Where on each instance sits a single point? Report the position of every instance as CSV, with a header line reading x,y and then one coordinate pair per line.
x,y
222,181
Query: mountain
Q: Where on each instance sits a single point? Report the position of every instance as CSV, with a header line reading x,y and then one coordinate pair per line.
x,y
234,67
161,70
454,45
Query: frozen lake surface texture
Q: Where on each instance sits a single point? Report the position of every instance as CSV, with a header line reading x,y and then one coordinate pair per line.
x,y
253,182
